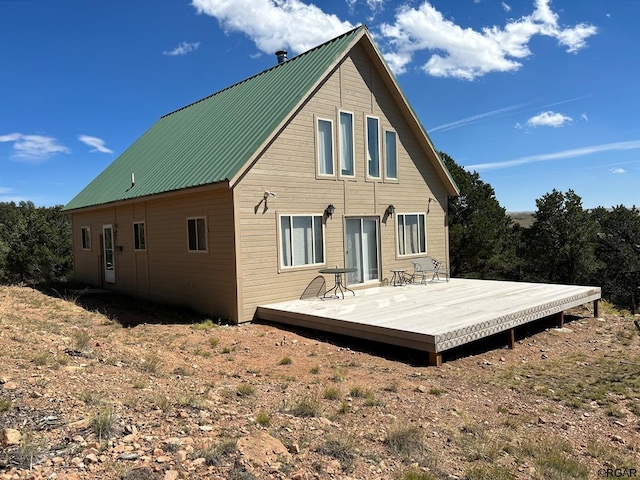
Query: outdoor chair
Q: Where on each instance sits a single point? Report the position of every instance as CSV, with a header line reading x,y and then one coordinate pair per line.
x,y
429,266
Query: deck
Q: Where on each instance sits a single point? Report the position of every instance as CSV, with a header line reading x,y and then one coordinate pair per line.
x,y
434,317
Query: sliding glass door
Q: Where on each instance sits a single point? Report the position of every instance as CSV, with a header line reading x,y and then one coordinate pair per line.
x,y
361,248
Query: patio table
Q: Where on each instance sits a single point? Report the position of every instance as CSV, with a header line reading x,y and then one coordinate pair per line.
x,y
339,286
398,277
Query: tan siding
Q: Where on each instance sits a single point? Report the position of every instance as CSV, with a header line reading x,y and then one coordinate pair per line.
x,y
288,168
166,272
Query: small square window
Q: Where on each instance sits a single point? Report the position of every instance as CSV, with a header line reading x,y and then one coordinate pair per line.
x,y
412,238
86,238
139,236
197,233
301,240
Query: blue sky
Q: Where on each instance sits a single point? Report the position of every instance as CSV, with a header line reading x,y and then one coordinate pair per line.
x,y
533,94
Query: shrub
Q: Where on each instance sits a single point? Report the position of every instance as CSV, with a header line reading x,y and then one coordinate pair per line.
x,y
263,418
286,361
306,407
331,393
102,423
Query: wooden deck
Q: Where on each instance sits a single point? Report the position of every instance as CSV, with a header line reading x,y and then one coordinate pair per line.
x,y
434,317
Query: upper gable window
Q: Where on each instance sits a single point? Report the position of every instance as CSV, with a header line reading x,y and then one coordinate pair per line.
x,y
325,147
373,147
346,145
197,234
390,155
139,236
86,238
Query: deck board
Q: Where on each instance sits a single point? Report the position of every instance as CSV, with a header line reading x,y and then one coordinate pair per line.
x,y
434,317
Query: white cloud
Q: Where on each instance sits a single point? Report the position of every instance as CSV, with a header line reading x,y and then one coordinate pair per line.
x,y
467,54
506,7
95,142
584,117
33,147
182,49
618,170
577,152
275,24
549,119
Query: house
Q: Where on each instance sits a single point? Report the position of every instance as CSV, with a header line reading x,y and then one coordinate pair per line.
x,y
242,197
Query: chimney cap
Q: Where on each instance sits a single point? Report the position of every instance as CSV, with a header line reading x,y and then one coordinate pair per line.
x,y
282,56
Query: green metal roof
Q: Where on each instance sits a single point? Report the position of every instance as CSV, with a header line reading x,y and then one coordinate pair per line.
x,y
212,139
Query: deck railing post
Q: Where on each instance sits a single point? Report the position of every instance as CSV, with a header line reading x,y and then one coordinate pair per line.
x,y
596,304
511,338
560,319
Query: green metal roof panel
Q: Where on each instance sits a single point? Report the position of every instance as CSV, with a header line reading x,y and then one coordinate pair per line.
x,y
211,140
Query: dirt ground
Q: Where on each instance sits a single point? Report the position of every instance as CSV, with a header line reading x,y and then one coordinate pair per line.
x,y
105,387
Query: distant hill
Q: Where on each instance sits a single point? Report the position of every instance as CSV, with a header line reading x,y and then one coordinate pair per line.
x,y
524,219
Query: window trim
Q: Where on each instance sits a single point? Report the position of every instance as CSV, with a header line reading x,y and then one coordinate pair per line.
x,y
424,226
136,240
319,174
353,144
206,233
87,246
386,163
366,149
287,268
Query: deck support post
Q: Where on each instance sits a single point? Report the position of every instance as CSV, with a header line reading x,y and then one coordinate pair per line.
x,y
511,338
435,359
560,319
596,304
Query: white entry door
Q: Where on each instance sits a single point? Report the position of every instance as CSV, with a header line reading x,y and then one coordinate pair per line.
x,y
109,257
361,248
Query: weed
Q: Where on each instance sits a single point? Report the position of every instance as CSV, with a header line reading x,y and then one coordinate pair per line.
x,y
478,444
144,473
393,388
357,392
339,374
612,411
42,359
226,350
81,340
204,325
29,448
163,403
102,423
370,399
140,383
214,453
213,342
343,449
91,397
201,353
150,363
285,361
245,390
405,440
331,393
437,391
5,404
344,407
494,472
306,407
315,370
415,474
552,456
263,418
182,371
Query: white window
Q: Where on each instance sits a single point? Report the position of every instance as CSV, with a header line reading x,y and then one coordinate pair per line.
x,y
139,236
373,147
301,240
346,144
86,238
412,239
325,147
391,155
197,233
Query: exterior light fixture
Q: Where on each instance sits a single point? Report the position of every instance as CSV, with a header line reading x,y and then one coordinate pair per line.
x,y
390,210
329,210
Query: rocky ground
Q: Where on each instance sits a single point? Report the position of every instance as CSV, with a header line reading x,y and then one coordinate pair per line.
x,y
100,386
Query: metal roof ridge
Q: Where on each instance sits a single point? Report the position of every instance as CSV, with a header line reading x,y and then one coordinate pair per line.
x,y
267,70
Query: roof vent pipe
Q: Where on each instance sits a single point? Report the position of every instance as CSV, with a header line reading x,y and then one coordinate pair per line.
x,y
282,56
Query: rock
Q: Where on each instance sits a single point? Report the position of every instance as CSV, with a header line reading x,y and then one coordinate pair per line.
x,y
163,459
294,448
10,437
300,475
171,475
90,458
422,389
10,386
128,456
262,449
